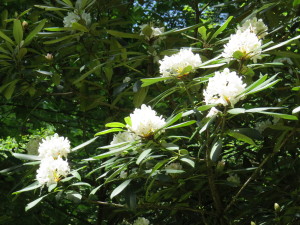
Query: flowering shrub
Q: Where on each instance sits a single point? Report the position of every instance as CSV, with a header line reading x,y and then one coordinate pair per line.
x,y
158,137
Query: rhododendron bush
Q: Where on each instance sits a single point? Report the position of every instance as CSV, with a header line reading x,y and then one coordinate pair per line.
x,y
153,120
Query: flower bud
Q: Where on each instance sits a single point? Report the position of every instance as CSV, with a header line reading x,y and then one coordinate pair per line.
x,y
277,207
49,56
24,24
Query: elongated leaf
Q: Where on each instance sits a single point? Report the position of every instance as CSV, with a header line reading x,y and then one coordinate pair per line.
x,y
33,33
207,121
150,81
68,2
81,184
188,161
222,28
2,35
50,8
241,137
256,110
120,188
30,187
84,144
205,107
26,156
262,87
128,120
110,153
236,111
184,124
172,120
282,44
18,31
88,73
78,26
61,39
123,35
109,131
296,110
143,155
216,150
279,115
115,124
34,203
255,84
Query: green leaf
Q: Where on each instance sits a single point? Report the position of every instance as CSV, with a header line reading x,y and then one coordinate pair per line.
x,y
62,39
263,86
2,35
123,35
279,115
188,161
81,184
172,120
216,150
238,55
184,124
236,111
108,131
128,120
26,156
88,73
120,188
10,89
278,143
30,187
115,124
170,146
34,203
202,32
205,107
80,27
207,122
261,109
18,31
110,153
68,2
140,96
33,33
50,8
222,28
296,2
84,144
282,44
143,155
241,137
255,84
150,81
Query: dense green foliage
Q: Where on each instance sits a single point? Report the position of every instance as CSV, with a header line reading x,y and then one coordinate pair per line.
x,y
70,81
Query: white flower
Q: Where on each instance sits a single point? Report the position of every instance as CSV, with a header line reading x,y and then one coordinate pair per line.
x,y
224,88
173,166
246,42
123,137
52,170
174,65
54,146
213,111
141,221
74,18
123,174
151,32
144,121
255,26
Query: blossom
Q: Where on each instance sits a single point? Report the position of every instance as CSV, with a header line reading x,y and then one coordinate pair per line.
x,y
144,121
255,26
224,88
213,111
141,221
174,65
126,79
74,18
52,170
245,42
54,146
123,137
173,166
151,32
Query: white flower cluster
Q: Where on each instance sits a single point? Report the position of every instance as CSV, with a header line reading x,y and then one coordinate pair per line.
x,y
245,42
212,112
255,26
54,146
53,167
144,121
73,17
262,125
174,65
52,170
224,88
123,137
141,221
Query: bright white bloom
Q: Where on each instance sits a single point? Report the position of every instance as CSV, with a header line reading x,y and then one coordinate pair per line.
x,y
234,179
54,146
123,137
144,121
74,18
175,64
255,26
224,88
174,166
245,42
213,111
52,170
141,221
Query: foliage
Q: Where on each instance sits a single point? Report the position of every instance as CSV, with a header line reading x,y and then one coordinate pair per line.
x,y
84,81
